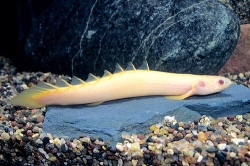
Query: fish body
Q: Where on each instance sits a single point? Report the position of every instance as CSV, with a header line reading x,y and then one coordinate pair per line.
x,y
122,84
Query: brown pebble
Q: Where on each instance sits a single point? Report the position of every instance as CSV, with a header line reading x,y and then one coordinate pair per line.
x,y
188,159
29,133
186,126
20,126
183,133
179,135
188,137
193,160
157,141
170,130
237,162
82,136
2,118
230,118
13,123
241,157
33,111
35,129
247,130
247,159
22,143
40,119
208,134
228,157
97,142
140,136
215,143
142,141
211,154
239,127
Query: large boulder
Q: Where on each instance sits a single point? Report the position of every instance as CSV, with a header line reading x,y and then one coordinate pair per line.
x,y
78,37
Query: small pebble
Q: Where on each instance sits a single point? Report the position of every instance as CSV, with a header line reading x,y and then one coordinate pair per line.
x,y
5,136
212,149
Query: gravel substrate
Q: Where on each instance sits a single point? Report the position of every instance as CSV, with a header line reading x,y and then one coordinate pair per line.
x,y
205,141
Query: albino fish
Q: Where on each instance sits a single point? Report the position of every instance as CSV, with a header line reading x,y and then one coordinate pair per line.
x,y
122,84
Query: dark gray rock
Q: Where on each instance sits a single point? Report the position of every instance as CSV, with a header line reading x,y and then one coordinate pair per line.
x,y
79,37
135,115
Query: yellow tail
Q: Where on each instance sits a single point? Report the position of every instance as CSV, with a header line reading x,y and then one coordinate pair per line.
x,y
28,98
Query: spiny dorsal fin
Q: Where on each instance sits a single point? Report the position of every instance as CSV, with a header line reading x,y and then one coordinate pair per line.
x,y
107,74
92,78
118,68
144,66
76,81
44,85
130,67
61,83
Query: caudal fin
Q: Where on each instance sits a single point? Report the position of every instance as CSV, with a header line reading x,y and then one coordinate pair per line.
x,y
28,98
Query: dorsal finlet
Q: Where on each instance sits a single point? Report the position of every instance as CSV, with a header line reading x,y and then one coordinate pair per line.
x,y
61,83
118,68
44,85
107,74
130,66
76,81
144,66
92,78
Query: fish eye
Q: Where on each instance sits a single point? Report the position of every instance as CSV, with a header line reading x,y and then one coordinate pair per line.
x,y
221,82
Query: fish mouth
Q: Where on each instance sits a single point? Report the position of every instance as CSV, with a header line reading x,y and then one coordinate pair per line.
x,y
228,82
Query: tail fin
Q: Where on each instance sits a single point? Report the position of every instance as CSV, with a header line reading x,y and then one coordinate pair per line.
x,y
28,97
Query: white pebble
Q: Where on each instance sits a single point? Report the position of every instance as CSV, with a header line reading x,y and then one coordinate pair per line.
x,y
159,146
5,136
237,140
210,143
199,159
221,146
232,154
239,117
170,151
120,147
73,145
62,141
169,118
43,152
24,86
194,132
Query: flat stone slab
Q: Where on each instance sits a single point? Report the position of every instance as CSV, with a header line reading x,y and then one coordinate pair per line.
x,y
135,115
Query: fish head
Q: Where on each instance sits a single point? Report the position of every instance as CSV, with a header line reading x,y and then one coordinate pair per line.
x,y
210,84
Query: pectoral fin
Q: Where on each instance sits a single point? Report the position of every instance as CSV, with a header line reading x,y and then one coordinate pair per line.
x,y
94,104
181,97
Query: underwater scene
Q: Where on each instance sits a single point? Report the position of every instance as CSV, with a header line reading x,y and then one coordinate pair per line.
x,y
125,83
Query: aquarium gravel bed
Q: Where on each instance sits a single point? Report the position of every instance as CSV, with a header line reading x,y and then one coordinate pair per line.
x,y
204,141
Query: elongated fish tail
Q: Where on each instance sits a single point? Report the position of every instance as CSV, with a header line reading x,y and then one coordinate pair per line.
x,y
29,98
